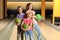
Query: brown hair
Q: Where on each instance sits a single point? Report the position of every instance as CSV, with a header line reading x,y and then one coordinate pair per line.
x,y
18,7
27,6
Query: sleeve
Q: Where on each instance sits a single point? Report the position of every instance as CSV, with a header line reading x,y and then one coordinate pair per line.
x,y
34,12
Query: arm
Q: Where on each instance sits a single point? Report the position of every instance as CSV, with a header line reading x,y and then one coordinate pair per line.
x,y
18,17
27,12
29,26
33,15
22,26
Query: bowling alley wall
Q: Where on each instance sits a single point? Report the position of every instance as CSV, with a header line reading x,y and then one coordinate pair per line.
x,y
11,5
49,5
1,9
56,10
36,5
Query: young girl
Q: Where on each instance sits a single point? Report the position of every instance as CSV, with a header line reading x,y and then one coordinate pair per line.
x,y
35,24
28,31
22,16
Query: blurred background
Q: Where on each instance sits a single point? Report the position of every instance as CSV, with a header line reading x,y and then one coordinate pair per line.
x,y
49,9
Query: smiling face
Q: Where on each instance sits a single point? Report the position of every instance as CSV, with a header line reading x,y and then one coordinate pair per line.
x,y
30,6
20,10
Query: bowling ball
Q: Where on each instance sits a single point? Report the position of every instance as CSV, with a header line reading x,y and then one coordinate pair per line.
x,y
38,17
18,20
25,26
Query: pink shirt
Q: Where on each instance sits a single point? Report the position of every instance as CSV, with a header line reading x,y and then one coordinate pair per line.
x,y
28,22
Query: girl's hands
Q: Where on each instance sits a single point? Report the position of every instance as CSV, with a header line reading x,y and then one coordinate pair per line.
x,y
22,26
23,29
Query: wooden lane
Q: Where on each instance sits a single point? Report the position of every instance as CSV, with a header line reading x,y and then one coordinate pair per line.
x,y
3,23
6,32
49,32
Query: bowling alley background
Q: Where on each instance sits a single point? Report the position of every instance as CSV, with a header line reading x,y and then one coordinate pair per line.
x,y
49,9
9,7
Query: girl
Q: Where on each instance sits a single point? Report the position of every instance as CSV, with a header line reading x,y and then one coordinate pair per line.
x,y
20,15
35,24
28,31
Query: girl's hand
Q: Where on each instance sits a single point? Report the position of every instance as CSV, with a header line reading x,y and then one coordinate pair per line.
x,y
22,26
29,27
33,17
23,29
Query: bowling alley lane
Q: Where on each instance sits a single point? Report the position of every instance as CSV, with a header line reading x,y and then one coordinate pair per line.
x,y
3,23
49,32
6,31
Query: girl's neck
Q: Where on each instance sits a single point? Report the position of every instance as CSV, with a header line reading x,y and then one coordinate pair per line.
x,y
20,13
29,9
28,17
